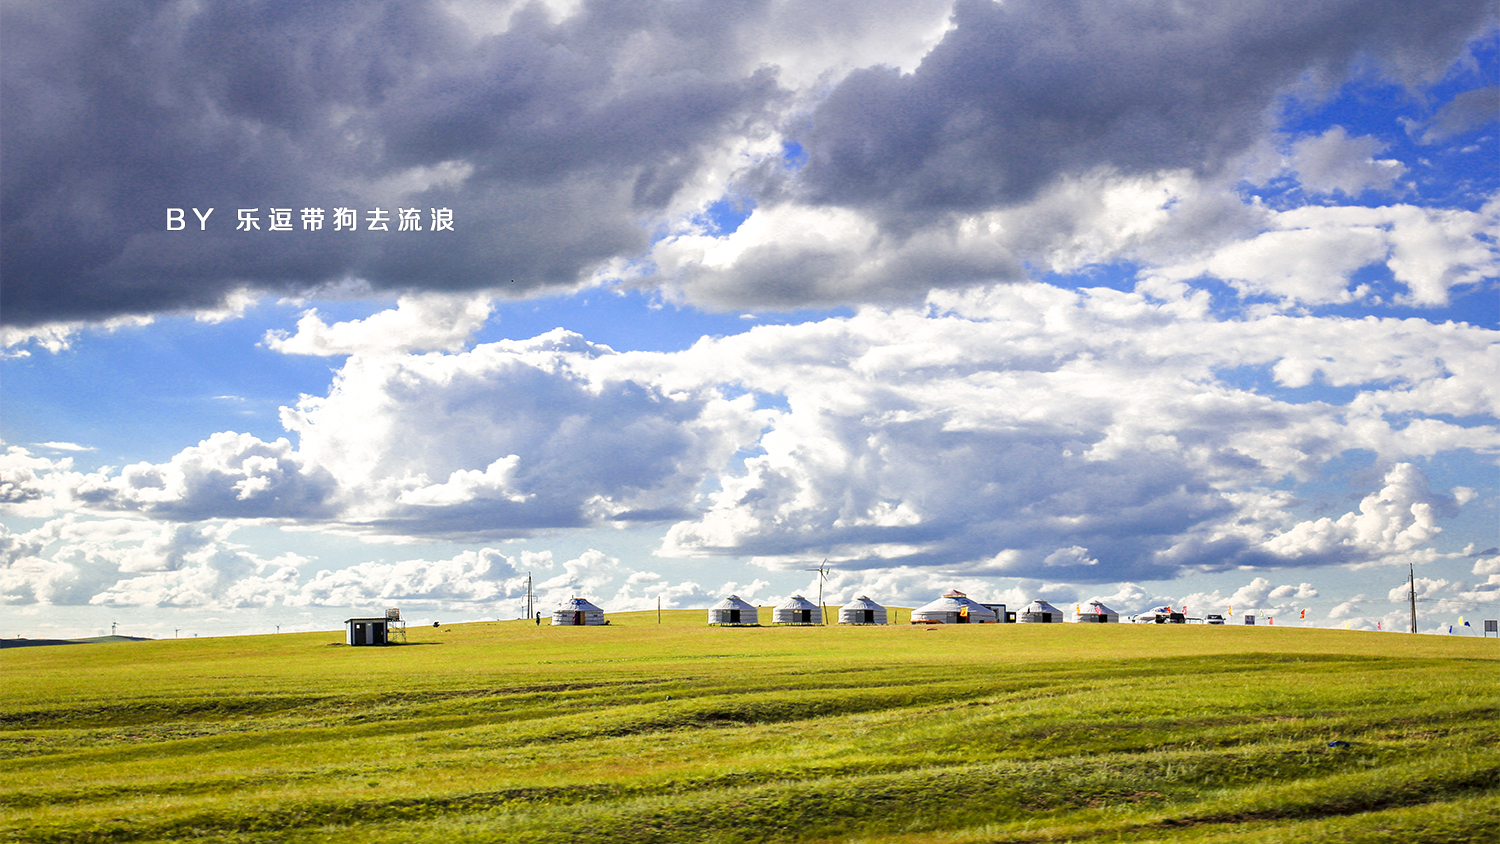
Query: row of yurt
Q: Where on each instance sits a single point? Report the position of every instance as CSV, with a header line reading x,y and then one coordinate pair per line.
x,y
578,612
957,608
953,608
797,610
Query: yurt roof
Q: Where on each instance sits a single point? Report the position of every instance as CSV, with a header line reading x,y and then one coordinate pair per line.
x,y
862,603
797,602
576,604
1039,605
733,602
1102,607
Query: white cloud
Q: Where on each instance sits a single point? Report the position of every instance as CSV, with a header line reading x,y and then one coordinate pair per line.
x,y
33,486
1333,161
525,435
1307,255
1489,565
1347,609
467,484
1075,555
1303,591
1030,419
1401,516
228,475
57,337
472,577
425,322
120,562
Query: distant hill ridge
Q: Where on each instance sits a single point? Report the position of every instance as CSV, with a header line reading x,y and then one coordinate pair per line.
x,y
37,643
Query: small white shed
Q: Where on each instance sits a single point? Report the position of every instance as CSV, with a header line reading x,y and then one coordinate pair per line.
x,y
1097,613
1039,612
578,612
733,611
953,608
797,610
862,610
372,630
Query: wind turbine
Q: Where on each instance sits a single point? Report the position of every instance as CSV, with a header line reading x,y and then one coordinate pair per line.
x,y
822,571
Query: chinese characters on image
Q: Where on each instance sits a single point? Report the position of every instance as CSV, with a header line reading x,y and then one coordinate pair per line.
x,y
314,219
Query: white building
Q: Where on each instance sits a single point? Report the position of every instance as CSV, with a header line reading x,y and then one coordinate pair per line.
x,y
862,610
1097,613
578,612
797,610
1039,612
732,611
373,630
953,608
1160,615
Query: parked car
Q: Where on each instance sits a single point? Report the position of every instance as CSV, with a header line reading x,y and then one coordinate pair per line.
x,y
1213,618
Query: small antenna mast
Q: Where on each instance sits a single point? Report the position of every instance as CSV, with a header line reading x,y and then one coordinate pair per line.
x,y
1412,593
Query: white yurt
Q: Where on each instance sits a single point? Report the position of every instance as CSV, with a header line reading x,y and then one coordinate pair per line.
x,y
862,610
1039,612
1160,615
797,610
732,610
578,612
1097,613
953,608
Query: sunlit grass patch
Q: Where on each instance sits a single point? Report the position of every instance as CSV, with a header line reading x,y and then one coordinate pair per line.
x,y
680,732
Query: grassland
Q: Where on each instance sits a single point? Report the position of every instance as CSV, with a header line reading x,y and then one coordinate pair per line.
x,y
683,733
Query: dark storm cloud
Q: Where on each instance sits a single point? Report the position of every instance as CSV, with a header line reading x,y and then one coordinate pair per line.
x,y
558,143
549,142
1020,92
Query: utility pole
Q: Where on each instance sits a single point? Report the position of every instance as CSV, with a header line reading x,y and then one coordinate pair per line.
x,y
112,627
822,571
1412,592
530,610
658,609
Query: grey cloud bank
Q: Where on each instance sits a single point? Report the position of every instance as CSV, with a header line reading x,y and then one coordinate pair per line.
x,y
565,141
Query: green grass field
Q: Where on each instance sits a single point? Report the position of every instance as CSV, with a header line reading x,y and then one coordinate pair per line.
x,y
507,732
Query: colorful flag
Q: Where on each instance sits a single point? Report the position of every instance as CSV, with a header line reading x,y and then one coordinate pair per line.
x,y
1378,626
1270,620
1304,613
1078,609
1346,624
1099,609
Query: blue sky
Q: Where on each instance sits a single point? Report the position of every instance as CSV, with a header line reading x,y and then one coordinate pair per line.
x,y
1035,300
